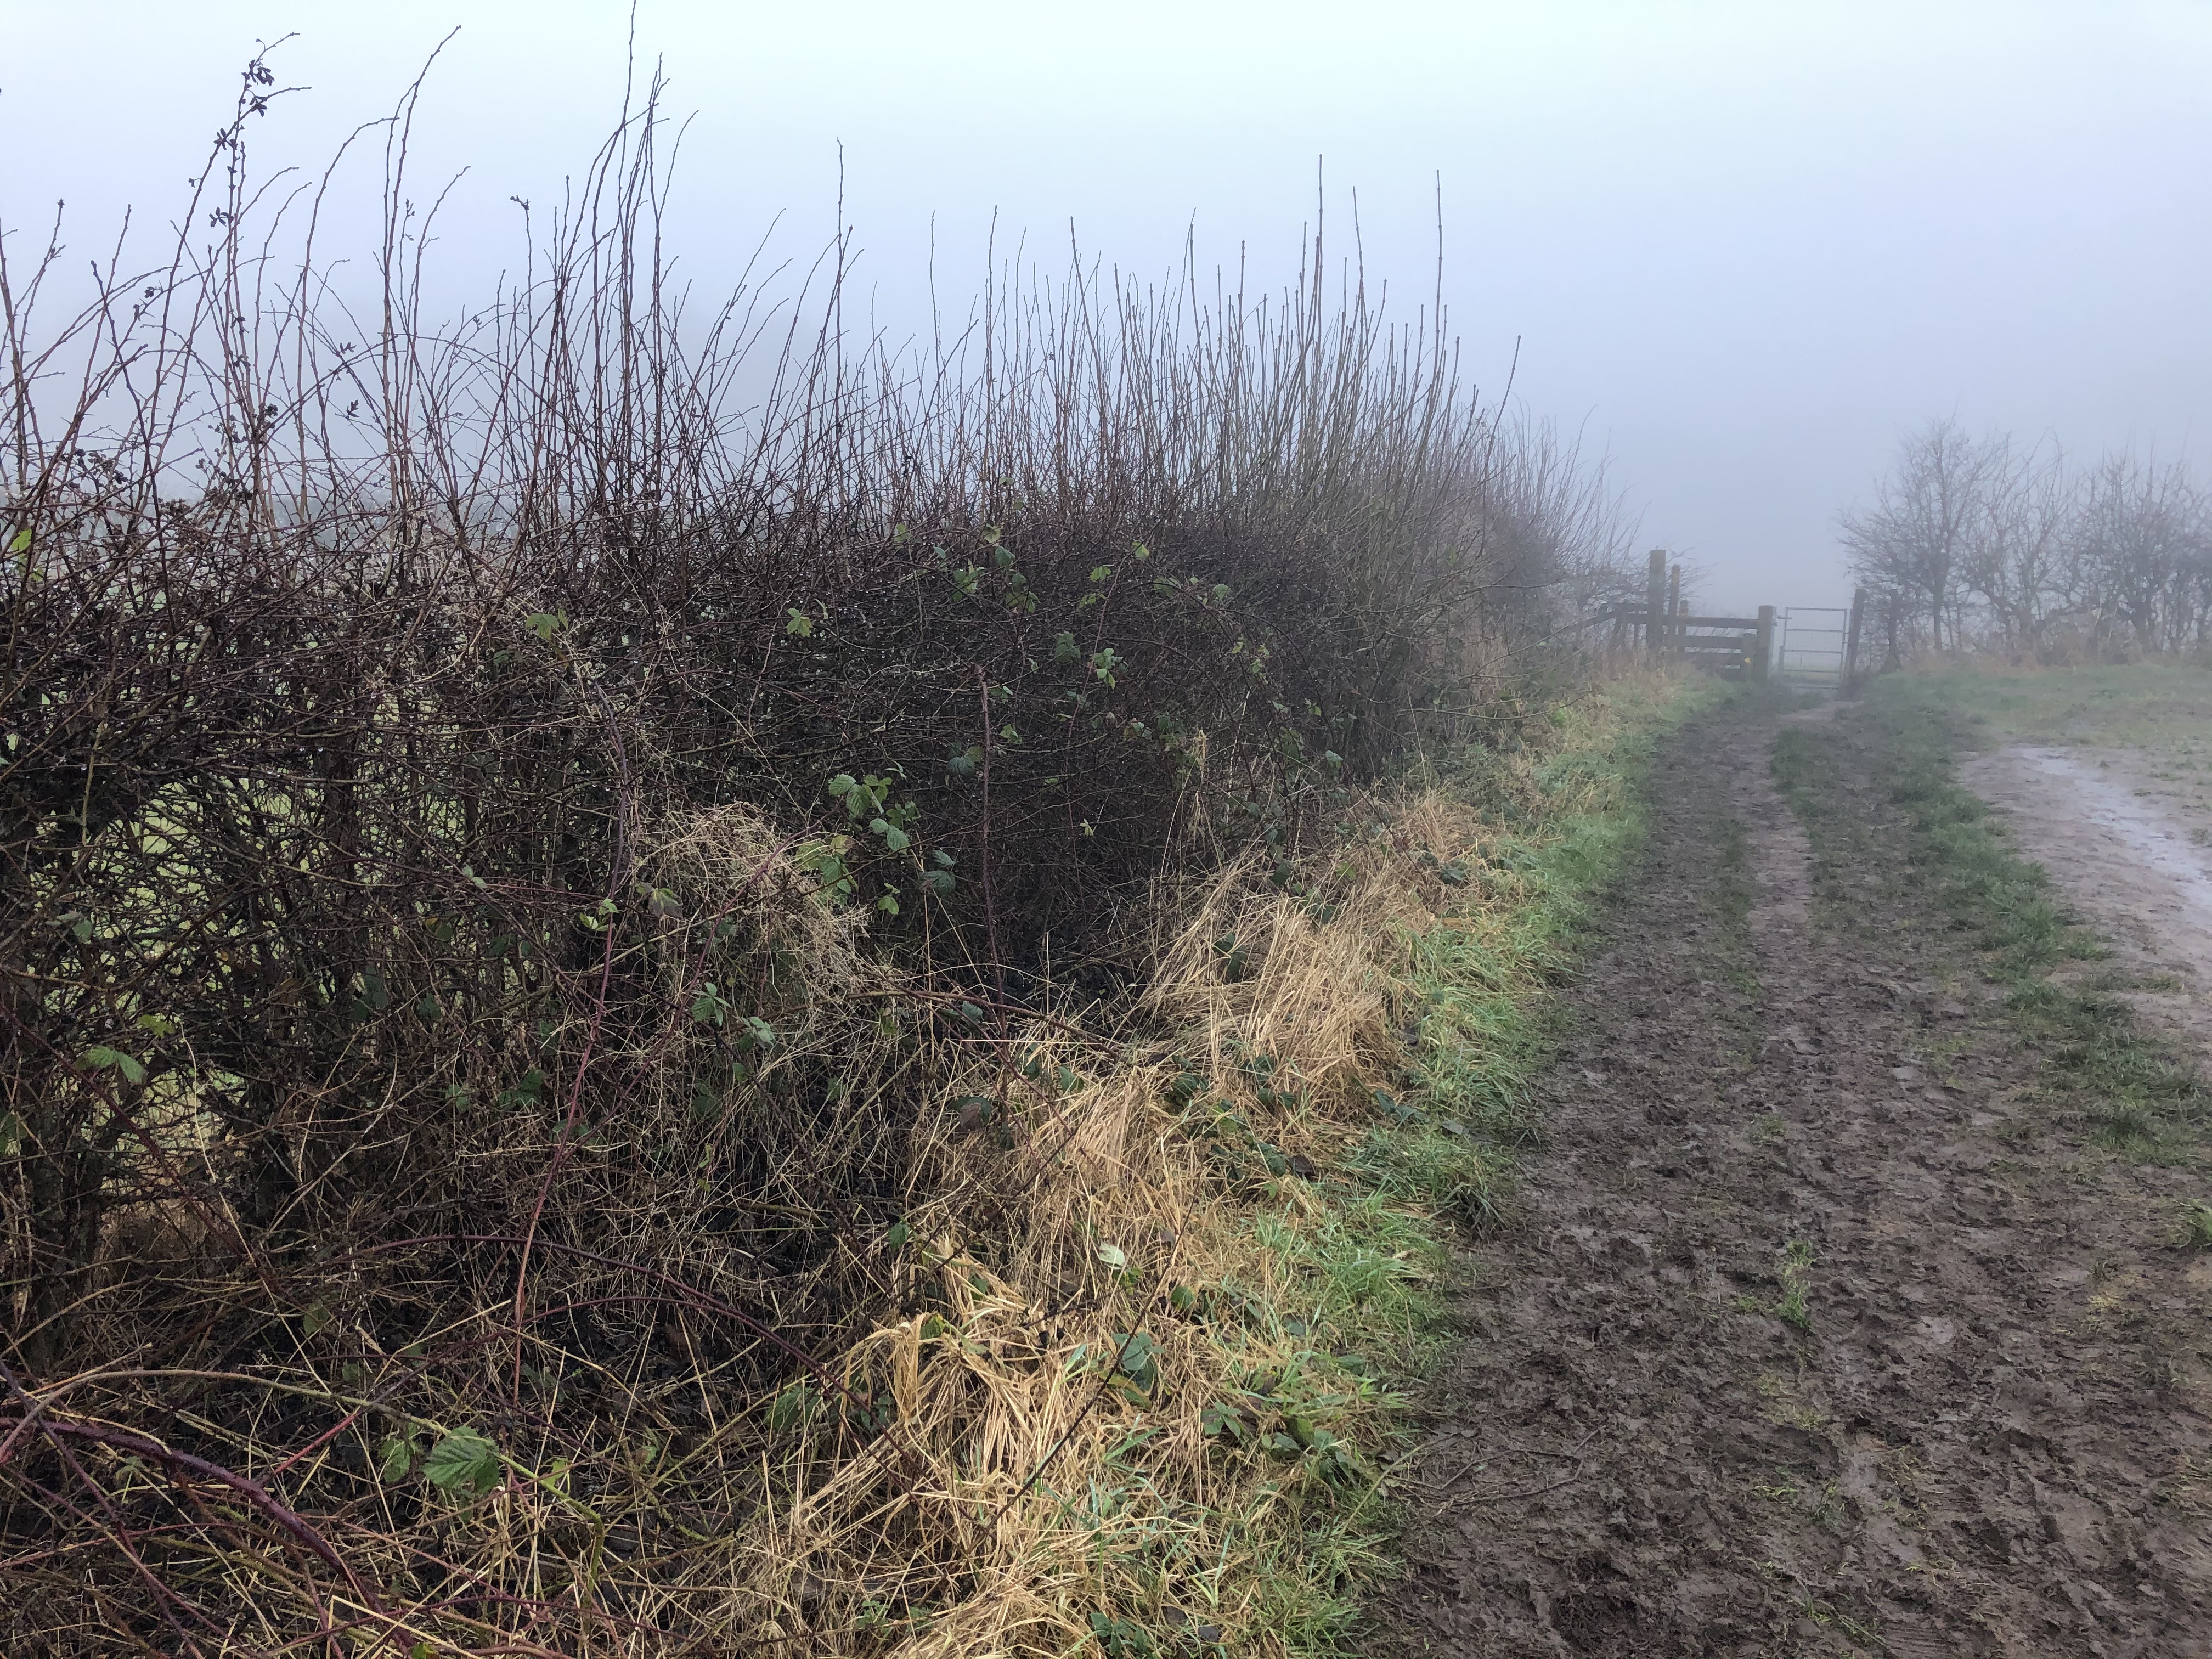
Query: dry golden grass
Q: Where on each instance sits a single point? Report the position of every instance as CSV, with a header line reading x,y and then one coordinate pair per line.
x,y
1026,1490
1132,1379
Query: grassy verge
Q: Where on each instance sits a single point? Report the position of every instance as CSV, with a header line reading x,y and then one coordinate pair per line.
x,y
1267,1214
1509,855
2139,1094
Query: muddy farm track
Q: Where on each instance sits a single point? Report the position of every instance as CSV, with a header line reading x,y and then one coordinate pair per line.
x,y
1825,1327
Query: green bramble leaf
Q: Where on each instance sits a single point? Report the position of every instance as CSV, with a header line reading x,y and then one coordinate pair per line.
x,y
708,1008
101,1058
463,1464
1223,1419
793,1408
395,1457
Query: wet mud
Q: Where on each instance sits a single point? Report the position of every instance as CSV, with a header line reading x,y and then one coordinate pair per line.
x,y
1820,1332
2126,856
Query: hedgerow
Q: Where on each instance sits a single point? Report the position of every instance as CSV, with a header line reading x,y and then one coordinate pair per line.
x,y
558,871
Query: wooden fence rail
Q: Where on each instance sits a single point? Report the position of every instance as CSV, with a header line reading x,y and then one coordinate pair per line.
x,y
1736,645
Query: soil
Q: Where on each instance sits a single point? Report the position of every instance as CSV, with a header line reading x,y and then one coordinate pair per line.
x,y
1982,1431
2127,854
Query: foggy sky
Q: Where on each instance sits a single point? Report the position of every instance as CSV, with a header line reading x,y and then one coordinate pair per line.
x,y
1741,247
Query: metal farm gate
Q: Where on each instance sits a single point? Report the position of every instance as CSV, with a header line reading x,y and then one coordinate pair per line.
x,y
1813,645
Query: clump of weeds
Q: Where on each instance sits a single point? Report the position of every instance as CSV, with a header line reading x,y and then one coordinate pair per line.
x,y
2197,1227
1796,1280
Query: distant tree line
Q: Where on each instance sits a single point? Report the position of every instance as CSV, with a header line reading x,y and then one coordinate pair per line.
x,y
1998,543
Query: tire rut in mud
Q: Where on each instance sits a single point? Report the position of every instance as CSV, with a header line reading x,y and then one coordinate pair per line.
x,y
1819,1332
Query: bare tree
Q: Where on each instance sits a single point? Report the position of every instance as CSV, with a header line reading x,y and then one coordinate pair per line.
x,y
1999,543
1911,542
2141,534
2017,560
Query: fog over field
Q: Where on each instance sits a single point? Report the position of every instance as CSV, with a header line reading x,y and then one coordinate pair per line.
x,y
1738,246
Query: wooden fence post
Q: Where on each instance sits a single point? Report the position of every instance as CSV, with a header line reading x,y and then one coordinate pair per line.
x,y
1655,597
1678,637
1852,639
1762,650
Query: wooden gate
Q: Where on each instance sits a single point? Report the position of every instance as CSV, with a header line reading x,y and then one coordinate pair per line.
x,y
1807,644
1737,647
